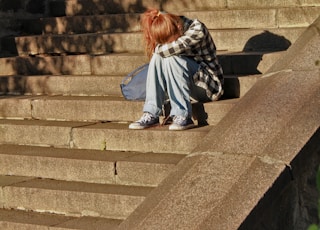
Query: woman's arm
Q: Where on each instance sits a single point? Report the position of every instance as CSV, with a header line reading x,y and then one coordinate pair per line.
x,y
191,37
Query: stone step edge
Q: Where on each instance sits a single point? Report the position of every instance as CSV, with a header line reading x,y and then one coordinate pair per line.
x,y
19,219
41,22
71,108
108,167
100,136
274,39
84,64
72,10
24,193
43,183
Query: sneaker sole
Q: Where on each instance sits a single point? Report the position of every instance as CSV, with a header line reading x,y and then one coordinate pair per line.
x,y
179,128
141,127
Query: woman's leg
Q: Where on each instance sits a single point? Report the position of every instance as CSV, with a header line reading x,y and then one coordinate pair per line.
x,y
155,86
155,95
172,76
178,72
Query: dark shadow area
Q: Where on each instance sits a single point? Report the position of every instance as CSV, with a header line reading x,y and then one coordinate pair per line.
x,y
95,28
199,114
291,203
12,85
267,42
13,5
246,62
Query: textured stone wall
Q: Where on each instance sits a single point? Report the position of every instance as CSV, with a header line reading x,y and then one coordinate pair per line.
x,y
291,204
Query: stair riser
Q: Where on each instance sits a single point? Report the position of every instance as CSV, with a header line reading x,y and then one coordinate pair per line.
x,y
81,170
83,24
98,110
142,174
70,203
14,219
71,65
58,168
87,110
218,19
104,65
61,85
35,135
82,7
89,86
274,39
8,225
100,136
145,141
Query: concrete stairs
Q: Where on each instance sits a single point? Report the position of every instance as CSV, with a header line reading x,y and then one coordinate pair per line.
x,y
68,160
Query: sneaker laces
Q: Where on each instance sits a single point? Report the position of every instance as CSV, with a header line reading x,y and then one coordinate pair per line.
x,y
179,119
146,117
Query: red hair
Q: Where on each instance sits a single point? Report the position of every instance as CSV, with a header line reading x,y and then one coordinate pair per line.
x,y
158,27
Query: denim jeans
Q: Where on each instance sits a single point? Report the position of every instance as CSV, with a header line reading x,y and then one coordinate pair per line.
x,y
172,77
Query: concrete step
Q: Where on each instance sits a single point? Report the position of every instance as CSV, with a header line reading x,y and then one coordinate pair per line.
x,y
95,109
70,198
274,39
85,7
28,220
214,19
83,24
111,64
235,86
90,166
99,136
117,65
78,85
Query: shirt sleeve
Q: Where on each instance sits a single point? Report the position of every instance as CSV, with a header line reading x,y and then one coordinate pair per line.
x,y
191,37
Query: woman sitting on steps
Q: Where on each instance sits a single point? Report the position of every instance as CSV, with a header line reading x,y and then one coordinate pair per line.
x,y
183,66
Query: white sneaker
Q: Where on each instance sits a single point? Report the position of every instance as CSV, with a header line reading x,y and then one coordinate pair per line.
x,y
181,123
147,120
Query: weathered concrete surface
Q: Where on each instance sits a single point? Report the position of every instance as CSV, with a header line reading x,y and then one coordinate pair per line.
x,y
91,166
305,54
98,136
73,198
214,19
291,202
97,108
13,219
274,126
105,43
198,185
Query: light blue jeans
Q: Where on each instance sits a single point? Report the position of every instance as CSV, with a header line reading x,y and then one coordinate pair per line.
x,y
172,77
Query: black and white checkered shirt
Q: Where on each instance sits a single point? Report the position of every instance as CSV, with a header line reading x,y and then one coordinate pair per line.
x,y
197,43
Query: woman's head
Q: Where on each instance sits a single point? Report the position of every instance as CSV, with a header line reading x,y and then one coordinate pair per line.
x,y
159,28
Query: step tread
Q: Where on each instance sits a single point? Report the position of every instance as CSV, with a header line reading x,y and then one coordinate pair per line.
x,y
90,166
82,7
60,185
93,155
119,64
100,135
91,125
44,37
98,98
58,196
238,18
18,219
93,108
103,43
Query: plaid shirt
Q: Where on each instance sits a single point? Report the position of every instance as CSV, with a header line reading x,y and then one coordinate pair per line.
x,y
197,43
